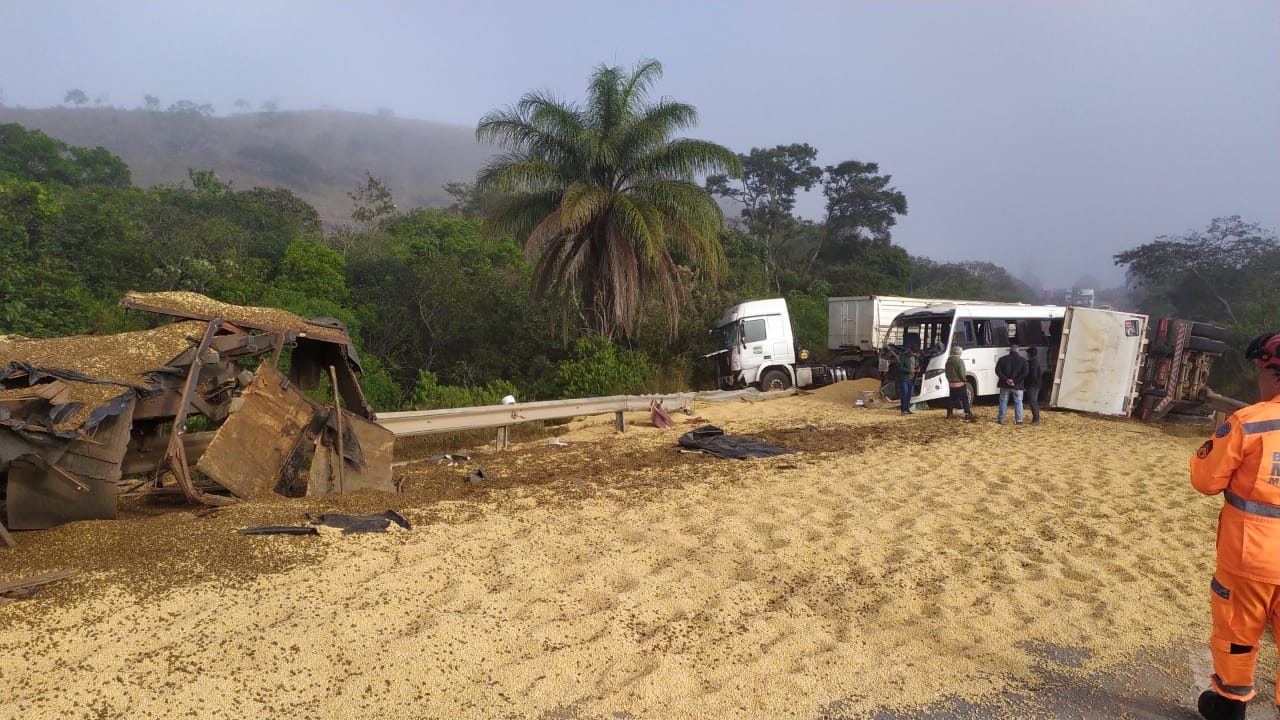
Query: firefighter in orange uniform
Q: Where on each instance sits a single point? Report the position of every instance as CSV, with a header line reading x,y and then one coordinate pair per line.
x,y
1242,461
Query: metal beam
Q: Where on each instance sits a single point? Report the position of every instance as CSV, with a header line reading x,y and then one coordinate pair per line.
x,y
427,422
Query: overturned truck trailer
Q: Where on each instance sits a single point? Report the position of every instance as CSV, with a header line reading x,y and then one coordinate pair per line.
x,y
79,414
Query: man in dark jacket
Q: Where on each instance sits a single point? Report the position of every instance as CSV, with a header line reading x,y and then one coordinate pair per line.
x,y
908,366
1011,373
1035,372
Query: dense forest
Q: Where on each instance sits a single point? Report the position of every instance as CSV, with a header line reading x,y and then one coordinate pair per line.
x,y
588,258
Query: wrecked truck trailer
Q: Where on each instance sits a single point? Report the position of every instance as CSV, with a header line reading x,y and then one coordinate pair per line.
x,y
78,413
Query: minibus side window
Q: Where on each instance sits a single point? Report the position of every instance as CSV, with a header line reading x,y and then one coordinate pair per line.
x,y
983,333
1031,332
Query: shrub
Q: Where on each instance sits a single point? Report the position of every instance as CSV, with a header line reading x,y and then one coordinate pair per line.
x,y
429,394
598,368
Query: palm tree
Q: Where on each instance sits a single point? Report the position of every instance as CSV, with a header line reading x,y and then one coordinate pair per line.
x,y
601,195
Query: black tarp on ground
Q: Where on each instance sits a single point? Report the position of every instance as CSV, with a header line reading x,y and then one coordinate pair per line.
x,y
349,524
361,523
712,440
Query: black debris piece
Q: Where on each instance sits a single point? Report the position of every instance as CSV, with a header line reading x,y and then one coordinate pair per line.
x,y
478,475
712,440
361,523
280,530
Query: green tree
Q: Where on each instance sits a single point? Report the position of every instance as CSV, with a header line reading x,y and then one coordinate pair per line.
x,y
1225,275
861,209
1202,275
372,202
187,107
601,195
973,280
440,296
313,270
770,178
470,202
32,155
767,190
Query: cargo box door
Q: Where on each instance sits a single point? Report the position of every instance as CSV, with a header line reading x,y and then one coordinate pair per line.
x,y
1098,360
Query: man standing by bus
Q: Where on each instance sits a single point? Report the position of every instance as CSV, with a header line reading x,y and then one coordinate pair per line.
x,y
1242,461
1031,386
1011,372
955,371
908,366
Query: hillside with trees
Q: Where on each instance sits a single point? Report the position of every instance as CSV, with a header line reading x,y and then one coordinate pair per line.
x,y
320,155
589,258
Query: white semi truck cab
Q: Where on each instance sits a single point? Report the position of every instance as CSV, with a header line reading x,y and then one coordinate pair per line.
x,y
758,348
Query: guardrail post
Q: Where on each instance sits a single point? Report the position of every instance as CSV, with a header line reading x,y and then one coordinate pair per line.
x,y
619,422
504,437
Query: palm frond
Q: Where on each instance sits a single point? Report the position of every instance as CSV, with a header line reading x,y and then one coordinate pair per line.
x,y
513,175
642,78
686,158
582,204
654,127
518,214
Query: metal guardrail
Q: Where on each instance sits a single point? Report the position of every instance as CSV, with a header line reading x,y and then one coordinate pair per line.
x,y
427,422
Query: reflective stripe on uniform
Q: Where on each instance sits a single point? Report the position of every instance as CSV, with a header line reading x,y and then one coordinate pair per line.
x,y
1219,589
1233,689
1251,507
1261,426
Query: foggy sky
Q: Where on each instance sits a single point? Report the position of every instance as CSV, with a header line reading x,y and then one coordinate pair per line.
x,y
1042,136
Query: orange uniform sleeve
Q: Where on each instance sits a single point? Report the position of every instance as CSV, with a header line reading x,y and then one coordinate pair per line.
x,y
1217,459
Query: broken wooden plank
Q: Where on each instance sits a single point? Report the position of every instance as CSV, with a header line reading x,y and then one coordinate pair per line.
x,y
35,580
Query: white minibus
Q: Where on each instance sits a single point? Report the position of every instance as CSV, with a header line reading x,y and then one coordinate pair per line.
x,y
985,331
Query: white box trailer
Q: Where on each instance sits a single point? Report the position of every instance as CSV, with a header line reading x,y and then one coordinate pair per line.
x,y
1099,360
859,323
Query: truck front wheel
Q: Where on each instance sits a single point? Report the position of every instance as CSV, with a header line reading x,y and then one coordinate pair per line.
x,y
775,379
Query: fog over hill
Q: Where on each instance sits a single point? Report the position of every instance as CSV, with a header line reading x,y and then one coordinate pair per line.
x,y
321,154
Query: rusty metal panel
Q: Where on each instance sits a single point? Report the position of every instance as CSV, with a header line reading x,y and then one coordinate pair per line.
x,y
100,455
253,445
376,444
40,499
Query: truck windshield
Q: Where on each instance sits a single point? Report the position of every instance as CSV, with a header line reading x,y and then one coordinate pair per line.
x,y
928,333
728,335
